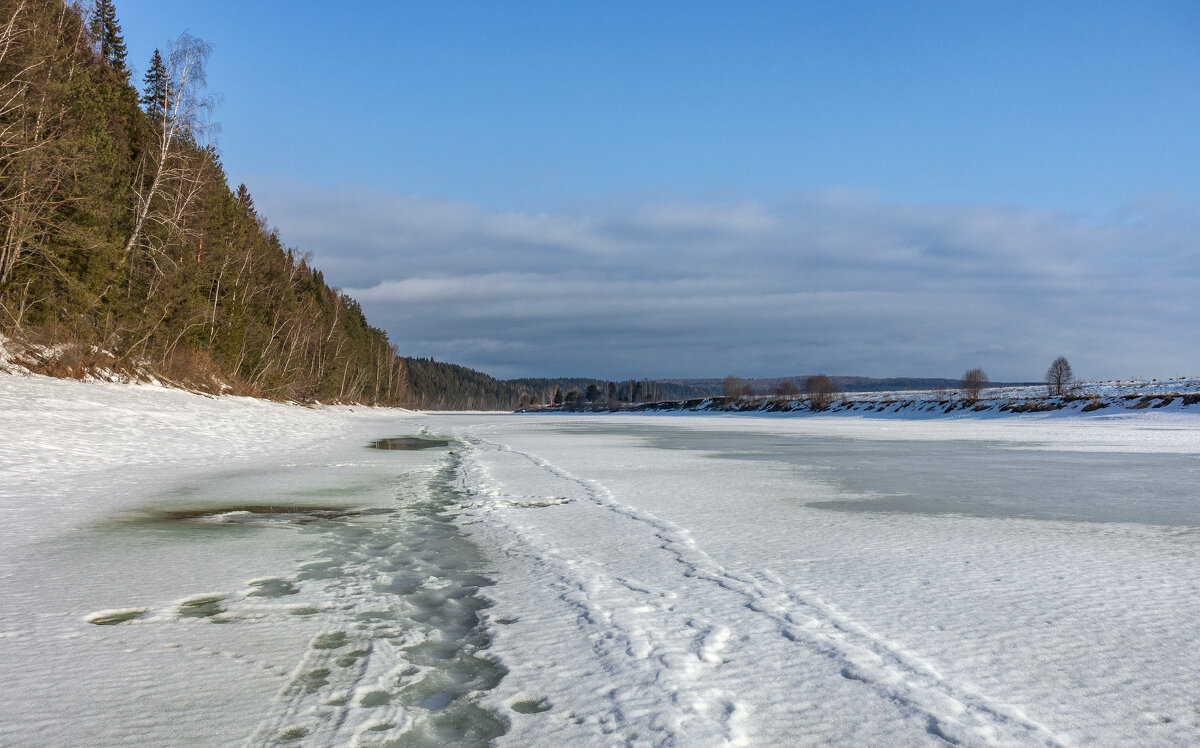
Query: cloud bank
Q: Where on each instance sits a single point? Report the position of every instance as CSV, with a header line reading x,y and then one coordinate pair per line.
x,y
836,282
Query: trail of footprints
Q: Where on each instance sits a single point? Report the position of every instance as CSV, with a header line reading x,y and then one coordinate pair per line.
x,y
957,713
638,627
400,656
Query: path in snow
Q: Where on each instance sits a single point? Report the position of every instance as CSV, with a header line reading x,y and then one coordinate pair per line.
x,y
630,615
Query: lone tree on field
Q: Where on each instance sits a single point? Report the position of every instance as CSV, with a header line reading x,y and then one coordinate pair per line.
x,y
820,390
973,381
1059,376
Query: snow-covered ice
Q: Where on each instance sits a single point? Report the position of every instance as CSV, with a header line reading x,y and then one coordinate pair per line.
x,y
182,570
784,581
639,580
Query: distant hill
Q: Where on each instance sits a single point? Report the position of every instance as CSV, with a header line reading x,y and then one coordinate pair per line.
x,y
539,385
435,385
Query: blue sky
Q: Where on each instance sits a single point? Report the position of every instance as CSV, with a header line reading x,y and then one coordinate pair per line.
x,y
693,189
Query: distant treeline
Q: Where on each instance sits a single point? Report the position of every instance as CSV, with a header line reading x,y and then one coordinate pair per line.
x,y
629,390
440,386
549,391
436,385
122,243
767,386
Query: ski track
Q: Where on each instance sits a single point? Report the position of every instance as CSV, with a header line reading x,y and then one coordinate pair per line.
x,y
953,711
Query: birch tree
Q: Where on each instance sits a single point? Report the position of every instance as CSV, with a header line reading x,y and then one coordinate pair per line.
x,y
168,178
14,83
37,63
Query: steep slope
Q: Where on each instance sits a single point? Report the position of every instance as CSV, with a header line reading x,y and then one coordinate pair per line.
x,y
123,245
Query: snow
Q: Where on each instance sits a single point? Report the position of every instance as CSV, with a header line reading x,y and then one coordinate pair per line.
x,y
1092,399
137,518
639,579
690,592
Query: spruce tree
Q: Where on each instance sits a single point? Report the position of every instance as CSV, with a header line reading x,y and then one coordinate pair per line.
x,y
154,96
107,31
243,197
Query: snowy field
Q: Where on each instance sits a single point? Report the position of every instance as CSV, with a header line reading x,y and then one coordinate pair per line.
x,y
194,571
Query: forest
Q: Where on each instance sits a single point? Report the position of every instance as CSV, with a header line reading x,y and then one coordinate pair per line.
x,y
124,246
436,385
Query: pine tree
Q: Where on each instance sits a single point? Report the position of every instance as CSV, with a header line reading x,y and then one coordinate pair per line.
x,y
154,96
243,197
107,31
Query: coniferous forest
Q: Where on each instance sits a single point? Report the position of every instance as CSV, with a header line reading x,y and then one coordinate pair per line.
x,y
123,243
436,385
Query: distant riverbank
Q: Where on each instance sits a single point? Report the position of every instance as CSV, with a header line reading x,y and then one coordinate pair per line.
x,y
1106,398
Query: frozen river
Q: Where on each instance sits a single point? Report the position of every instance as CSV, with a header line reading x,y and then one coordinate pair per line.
x,y
855,581
188,571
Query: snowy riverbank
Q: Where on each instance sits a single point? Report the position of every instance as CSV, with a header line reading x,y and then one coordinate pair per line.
x,y
1100,398
658,580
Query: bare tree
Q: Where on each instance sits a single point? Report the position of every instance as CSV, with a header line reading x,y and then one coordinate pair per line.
x,y
12,144
786,388
1059,376
168,179
650,392
733,387
820,390
973,381
33,80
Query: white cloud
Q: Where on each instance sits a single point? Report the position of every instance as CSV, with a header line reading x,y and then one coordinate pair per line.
x,y
745,218
567,233
836,281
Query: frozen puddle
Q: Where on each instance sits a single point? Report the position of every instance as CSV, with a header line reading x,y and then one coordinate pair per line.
x,y
398,656
281,512
409,442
